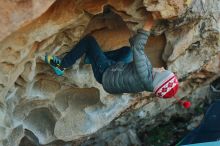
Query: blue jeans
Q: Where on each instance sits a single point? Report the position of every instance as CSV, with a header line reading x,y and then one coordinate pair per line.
x,y
99,60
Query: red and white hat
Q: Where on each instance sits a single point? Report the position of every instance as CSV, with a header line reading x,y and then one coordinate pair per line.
x,y
168,87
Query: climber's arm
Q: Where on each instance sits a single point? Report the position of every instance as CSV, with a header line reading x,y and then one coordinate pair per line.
x,y
149,23
141,61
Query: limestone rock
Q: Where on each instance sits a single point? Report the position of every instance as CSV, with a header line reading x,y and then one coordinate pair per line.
x,y
166,8
195,42
17,13
38,106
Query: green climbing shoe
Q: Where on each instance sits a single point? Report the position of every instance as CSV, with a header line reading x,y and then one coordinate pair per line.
x,y
54,62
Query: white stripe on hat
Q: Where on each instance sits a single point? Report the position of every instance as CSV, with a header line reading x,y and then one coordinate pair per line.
x,y
160,92
163,81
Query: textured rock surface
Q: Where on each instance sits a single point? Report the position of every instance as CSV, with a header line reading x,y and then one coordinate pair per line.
x,y
44,108
17,13
166,9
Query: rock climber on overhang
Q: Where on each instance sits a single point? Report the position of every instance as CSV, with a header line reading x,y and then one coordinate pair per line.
x,y
125,70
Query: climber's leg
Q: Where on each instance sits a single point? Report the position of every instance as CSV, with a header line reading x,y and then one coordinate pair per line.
x,y
86,45
97,59
78,50
123,54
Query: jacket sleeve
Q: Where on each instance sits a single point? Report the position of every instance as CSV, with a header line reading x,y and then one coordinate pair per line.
x,y
142,63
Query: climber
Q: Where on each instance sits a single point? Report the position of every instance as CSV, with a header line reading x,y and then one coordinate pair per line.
x,y
126,70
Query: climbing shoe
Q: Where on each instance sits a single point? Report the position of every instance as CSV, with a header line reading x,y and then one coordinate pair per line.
x,y
55,63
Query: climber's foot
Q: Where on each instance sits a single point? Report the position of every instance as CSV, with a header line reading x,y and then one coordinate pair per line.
x,y
55,63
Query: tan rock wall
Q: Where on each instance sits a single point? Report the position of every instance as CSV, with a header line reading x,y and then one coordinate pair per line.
x,y
17,13
75,105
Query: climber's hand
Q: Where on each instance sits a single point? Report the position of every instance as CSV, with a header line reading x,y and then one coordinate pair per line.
x,y
149,23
